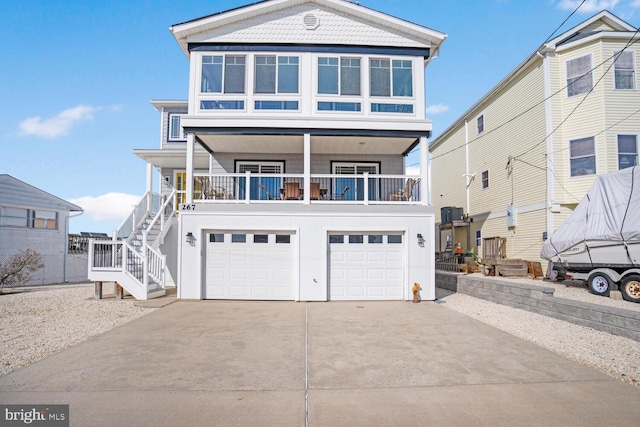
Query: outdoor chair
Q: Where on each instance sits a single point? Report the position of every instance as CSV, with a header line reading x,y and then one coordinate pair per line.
x,y
291,191
341,195
269,197
314,191
406,193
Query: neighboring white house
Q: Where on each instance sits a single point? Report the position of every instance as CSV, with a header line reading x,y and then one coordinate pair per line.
x,y
522,157
34,219
283,174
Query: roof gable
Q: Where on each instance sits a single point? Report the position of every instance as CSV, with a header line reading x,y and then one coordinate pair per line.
x,y
14,192
325,22
604,21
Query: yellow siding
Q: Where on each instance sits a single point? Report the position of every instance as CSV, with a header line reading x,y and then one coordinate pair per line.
x,y
523,242
447,170
526,184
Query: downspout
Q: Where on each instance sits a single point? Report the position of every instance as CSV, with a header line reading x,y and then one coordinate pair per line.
x,y
548,116
66,245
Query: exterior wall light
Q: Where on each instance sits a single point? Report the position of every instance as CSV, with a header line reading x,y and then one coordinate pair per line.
x,y
190,238
420,240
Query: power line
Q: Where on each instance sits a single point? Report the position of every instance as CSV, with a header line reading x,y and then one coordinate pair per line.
x,y
564,22
486,133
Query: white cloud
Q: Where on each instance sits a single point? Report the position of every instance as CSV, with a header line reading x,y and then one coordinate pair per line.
x,y
110,206
589,6
58,125
437,109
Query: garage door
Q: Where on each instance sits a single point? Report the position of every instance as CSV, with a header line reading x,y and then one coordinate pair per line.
x,y
366,266
250,265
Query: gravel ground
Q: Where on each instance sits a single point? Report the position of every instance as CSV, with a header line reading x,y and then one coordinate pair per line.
x,y
37,322
613,355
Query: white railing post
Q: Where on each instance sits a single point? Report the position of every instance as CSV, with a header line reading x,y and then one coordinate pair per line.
x,y
247,187
162,272
366,187
145,269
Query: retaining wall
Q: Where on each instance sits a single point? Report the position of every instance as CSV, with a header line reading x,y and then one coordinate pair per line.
x,y
540,299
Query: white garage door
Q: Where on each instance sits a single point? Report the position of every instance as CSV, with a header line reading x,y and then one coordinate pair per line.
x,y
366,266
250,265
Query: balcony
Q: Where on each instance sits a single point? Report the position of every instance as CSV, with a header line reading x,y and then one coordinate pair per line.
x,y
361,189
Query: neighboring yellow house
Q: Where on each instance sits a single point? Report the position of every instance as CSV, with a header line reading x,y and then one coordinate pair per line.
x,y
522,157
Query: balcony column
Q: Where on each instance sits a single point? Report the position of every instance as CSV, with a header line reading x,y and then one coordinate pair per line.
x,y
149,186
189,184
425,184
307,169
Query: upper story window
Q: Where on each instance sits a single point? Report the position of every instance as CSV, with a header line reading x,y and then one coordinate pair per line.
x,y
391,77
277,74
579,76
485,179
624,70
28,218
339,76
627,151
480,123
175,131
223,74
582,153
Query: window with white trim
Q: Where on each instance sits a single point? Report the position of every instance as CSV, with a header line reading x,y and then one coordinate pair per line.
x,y
485,179
480,123
627,151
390,77
579,75
276,74
175,130
223,74
624,70
339,76
582,156
479,238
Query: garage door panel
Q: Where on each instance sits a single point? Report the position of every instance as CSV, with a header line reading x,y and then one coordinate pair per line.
x,y
377,256
254,266
395,256
237,256
367,268
375,273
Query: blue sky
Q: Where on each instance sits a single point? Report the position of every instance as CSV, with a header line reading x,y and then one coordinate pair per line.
x,y
77,78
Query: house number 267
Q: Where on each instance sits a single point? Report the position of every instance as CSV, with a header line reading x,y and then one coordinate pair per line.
x,y
188,207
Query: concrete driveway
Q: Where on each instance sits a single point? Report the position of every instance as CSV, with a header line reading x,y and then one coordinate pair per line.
x,y
326,364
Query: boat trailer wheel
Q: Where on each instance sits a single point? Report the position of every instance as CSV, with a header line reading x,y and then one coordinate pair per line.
x,y
630,288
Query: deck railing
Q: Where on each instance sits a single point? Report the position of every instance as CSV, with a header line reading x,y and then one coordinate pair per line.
x,y
258,188
150,202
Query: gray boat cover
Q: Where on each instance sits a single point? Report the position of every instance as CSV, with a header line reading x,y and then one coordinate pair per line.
x,y
609,212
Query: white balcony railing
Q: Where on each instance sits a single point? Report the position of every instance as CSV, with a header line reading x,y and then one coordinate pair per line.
x,y
328,188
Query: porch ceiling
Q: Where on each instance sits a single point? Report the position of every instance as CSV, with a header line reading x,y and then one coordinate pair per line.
x,y
175,159
295,144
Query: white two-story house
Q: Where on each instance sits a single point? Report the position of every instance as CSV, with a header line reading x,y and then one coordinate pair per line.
x,y
282,177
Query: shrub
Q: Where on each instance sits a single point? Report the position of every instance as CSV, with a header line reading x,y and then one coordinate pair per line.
x,y
17,270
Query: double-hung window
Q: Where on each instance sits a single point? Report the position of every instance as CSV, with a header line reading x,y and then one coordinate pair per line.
x,y
339,76
624,70
582,153
627,151
579,76
485,179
